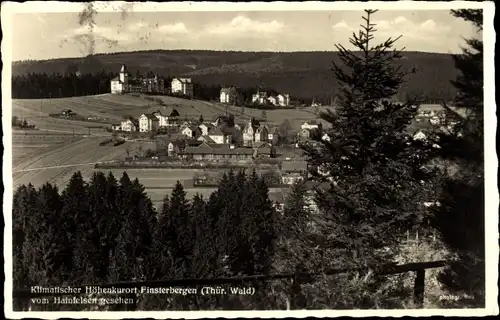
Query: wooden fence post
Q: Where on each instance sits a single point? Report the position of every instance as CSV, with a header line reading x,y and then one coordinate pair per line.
x,y
419,288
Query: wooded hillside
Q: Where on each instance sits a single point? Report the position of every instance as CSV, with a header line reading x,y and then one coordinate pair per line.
x,y
302,74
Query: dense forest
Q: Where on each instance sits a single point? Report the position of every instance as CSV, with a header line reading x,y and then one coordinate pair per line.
x,y
106,230
305,75
57,85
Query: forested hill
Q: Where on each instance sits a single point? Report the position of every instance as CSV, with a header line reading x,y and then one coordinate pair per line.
x,y
302,74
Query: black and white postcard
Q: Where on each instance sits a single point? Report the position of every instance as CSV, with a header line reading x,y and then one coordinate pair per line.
x,y
279,159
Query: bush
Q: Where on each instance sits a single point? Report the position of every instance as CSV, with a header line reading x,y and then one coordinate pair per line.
x,y
119,142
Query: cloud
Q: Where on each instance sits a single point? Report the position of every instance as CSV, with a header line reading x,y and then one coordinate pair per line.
x,y
178,28
400,26
242,25
342,25
98,32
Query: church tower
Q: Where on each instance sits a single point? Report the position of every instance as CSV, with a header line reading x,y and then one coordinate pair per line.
x,y
124,75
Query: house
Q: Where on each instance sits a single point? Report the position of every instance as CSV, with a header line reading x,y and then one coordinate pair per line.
x,y
419,136
220,135
249,132
192,131
169,117
116,127
176,147
120,84
148,123
223,120
239,126
435,120
283,99
130,124
207,151
261,134
260,97
273,135
228,95
172,146
272,100
293,171
183,86
205,128
263,150
311,124
304,134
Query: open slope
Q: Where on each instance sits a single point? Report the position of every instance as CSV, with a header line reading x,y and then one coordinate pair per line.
x,y
115,107
56,164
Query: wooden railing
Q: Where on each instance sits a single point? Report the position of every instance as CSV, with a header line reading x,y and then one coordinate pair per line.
x,y
297,278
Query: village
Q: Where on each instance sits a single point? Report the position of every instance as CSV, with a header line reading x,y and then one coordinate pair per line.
x,y
171,139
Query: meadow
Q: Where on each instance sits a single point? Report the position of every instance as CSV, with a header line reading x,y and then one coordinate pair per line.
x,y
115,107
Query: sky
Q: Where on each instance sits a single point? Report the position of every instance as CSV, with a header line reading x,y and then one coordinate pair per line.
x,y
55,35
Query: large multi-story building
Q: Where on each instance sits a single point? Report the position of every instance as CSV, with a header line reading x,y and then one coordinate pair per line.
x,y
182,86
124,83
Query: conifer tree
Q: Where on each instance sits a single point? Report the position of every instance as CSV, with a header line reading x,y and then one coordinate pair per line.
x,y
42,248
161,262
204,252
135,237
24,210
294,229
97,244
179,235
373,165
74,212
460,218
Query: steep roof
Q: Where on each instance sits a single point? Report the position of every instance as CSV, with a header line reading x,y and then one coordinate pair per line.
x,y
228,90
183,80
261,128
206,138
150,116
192,127
312,122
170,112
216,132
218,150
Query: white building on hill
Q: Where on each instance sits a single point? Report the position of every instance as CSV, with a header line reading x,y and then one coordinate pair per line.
x,y
228,95
129,125
183,86
283,99
260,97
148,122
120,83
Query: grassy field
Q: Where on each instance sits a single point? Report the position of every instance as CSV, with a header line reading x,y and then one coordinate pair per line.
x,y
55,163
115,107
